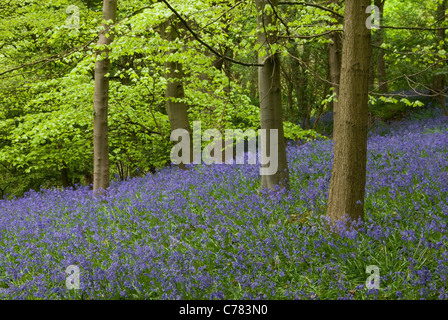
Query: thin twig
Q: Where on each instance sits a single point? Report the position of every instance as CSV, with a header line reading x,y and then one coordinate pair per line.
x,y
312,36
194,34
279,18
307,4
414,28
221,15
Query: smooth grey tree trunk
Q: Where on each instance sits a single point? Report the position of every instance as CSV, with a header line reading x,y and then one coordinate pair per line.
x,y
269,88
101,102
177,110
348,176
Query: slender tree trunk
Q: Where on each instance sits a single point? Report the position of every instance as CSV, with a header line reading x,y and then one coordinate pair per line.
x,y
269,87
335,64
372,73
301,81
287,75
101,103
88,178
321,108
177,110
64,172
439,79
290,101
380,61
297,83
220,65
334,56
64,176
348,177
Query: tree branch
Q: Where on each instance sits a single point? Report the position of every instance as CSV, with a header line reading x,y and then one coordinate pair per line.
x,y
68,52
279,18
407,77
414,28
52,58
307,4
204,43
221,15
144,128
312,36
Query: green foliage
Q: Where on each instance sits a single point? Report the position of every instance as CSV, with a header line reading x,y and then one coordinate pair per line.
x,y
46,97
295,132
387,108
49,126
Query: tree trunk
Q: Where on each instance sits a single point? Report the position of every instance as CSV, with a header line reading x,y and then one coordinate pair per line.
x,y
221,65
296,84
64,176
177,110
64,172
88,178
334,56
301,81
348,177
321,109
101,102
269,88
439,79
380,61
290,101
372,73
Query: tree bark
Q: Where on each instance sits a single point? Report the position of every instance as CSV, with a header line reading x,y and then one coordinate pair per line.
x,y
334,56
88,178
439,79
301,80
101,103
348,177
64,176
177,110
290,101
380,61
64,173
297,83
321,109
269,88
219,64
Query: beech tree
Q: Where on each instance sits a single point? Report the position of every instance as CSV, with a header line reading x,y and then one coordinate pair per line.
x,y
348,176
177,109
101,100
46,118
269,87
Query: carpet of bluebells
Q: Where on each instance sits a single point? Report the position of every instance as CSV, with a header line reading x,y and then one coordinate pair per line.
x,y
207,233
